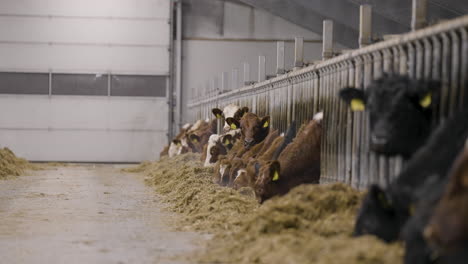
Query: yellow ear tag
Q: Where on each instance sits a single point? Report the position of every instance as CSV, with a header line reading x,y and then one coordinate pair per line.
x,y
412,209
275,176
265,125
178,144
383,201
357,105
426,101
195,140
233,126
218,116
227,142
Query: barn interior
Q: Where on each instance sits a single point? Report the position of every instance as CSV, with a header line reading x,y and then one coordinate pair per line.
x,y
234,131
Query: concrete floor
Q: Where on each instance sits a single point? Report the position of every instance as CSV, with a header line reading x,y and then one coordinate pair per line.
x,y
86,214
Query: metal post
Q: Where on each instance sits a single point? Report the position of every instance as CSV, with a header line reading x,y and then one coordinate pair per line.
x,y
178,77
327,48
214,87
261,68
50,82
193,94
207,89
298,52
247,74
365,25
224,82
280,58
419,14
109,81
235,78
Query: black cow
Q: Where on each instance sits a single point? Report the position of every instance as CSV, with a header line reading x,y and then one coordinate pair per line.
x,y
384,212
400,111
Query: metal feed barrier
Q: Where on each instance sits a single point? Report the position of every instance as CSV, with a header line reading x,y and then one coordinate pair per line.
x,y
438,52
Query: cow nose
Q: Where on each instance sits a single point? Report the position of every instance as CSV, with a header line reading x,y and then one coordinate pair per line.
x,y
248,142
378,140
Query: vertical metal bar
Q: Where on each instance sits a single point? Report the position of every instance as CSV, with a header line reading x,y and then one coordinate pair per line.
x,y
178,77
50,82
349,129
455,71
225,82
261,68
235,79
365,25
327,39
280,69
444,104
411,61
357,128
419,59
464,68
298,52
170,80
109,76
418,14
247,80
427,58
369,166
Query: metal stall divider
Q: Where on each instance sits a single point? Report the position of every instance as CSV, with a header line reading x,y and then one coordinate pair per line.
x,y
439,52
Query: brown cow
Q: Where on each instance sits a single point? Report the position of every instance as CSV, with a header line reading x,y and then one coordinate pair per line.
x,y
246,177
298,163
253,129
237,159
198,138
448,227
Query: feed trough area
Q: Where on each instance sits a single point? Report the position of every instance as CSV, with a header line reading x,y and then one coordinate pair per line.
x,y
234,131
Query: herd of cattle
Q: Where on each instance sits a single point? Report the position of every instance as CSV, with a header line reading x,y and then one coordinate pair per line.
x,y
426,206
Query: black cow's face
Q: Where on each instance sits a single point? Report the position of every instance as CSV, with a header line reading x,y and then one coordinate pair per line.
x,y
400,112
377,217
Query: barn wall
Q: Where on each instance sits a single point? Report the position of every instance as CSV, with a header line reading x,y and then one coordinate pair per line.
x,y
84,80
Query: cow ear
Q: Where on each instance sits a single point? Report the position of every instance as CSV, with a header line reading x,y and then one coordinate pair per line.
x,y
217,112
244,110
265,122
227,139
355,98
426,100
424,91
233,123
176,142
194,138
379,196
275,171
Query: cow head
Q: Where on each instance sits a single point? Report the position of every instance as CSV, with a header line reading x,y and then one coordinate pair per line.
x,y
253,128
400,111
230,111
377,216
268,182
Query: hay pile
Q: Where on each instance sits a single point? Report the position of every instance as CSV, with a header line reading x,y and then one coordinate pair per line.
x,y
311,224
10,165
186,186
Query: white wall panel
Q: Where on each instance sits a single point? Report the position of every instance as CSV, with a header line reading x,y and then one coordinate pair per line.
x,y
34,29
84,146
114,8
82,128
71,58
